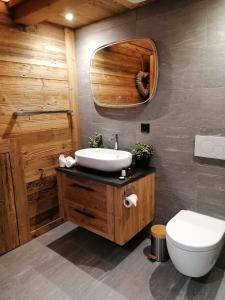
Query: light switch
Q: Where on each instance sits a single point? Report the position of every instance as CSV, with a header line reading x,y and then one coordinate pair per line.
x,y
210,146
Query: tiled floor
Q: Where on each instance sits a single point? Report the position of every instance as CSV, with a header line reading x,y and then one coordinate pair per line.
x,y
71,263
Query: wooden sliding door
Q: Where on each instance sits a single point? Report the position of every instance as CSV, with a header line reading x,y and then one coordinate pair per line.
x,y
14,221
9,237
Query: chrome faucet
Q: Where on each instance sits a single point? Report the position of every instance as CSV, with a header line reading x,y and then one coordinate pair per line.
x,y
116,142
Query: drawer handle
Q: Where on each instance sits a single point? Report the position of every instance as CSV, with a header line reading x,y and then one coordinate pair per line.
x,y
84,213
82,187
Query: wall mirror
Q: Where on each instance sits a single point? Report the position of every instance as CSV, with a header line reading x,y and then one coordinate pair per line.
x,y
124,74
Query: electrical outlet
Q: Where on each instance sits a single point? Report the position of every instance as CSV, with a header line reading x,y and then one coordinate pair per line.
x,y
145,127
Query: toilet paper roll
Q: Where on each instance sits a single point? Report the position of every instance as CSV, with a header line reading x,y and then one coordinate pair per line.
x,y
130,200
62,161
70,162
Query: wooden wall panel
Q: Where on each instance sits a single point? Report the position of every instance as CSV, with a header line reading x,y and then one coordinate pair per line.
x,y
40,156
18,175
14,218
72,80
8,221
34,75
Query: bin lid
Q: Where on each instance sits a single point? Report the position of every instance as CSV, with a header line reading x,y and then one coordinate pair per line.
x,y
195,232
158,231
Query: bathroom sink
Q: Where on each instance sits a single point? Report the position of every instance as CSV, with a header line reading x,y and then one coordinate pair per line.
x,y
108,160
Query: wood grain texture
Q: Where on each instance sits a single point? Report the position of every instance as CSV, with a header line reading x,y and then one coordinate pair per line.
x,y
83,191
18,215
72,80
99,207
34,76
61,186
129,221
114,69
87,203
43,219
42,195
45,228
158,231
33,12
4,146
21,204
8,221
93,220
14,2
86,11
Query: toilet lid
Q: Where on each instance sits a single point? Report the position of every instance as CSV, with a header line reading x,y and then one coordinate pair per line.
x,y
195,232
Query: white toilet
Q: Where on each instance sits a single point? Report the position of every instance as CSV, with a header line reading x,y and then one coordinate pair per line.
x,y
194,242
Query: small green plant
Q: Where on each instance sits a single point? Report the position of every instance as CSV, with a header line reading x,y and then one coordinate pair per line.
x,y
95,141
142,151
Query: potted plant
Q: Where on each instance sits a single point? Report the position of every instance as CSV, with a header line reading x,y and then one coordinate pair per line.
x,y
142,153
95,141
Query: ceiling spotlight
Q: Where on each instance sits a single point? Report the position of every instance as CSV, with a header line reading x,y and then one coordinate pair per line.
x,y
69,16
5,0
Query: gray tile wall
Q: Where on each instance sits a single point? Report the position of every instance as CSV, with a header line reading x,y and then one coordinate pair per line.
x,y
190,98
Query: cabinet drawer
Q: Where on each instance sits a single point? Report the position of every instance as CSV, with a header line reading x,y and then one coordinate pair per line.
x,y
99,207
85,192
95,221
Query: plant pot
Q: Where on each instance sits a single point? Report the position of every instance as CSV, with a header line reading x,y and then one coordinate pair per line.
x,y
142,162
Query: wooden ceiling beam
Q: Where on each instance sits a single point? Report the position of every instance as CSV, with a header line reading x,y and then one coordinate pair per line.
x,y
13,3
126,3
33,12
129,4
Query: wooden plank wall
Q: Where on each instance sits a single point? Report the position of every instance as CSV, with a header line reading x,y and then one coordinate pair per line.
x,y
34,76
9,238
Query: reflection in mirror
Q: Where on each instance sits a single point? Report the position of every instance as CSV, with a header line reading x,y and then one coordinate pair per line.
x,y
124,74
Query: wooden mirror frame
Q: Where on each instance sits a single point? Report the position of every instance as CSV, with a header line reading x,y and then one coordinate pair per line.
x,y
131,79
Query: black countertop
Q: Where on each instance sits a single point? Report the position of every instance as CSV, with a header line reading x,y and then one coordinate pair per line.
x,y
106,177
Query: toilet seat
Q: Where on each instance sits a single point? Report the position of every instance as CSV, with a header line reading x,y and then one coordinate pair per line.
x,y
195,232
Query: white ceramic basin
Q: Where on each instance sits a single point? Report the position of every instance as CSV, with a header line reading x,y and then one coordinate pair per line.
x,y
107,160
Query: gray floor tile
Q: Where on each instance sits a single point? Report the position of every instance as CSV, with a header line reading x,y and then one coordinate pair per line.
x,y
57,233
103,291
72,263
9,288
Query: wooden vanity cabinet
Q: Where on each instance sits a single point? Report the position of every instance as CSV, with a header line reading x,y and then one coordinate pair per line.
x,y
89,204
130,221
98,206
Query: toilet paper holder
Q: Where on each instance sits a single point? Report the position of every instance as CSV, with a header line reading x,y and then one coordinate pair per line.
x,y
129,192
130,198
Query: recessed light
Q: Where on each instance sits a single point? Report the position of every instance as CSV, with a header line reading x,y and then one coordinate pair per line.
x,y
69,16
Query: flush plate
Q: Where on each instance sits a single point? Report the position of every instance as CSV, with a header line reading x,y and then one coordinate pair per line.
x,y
210,146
